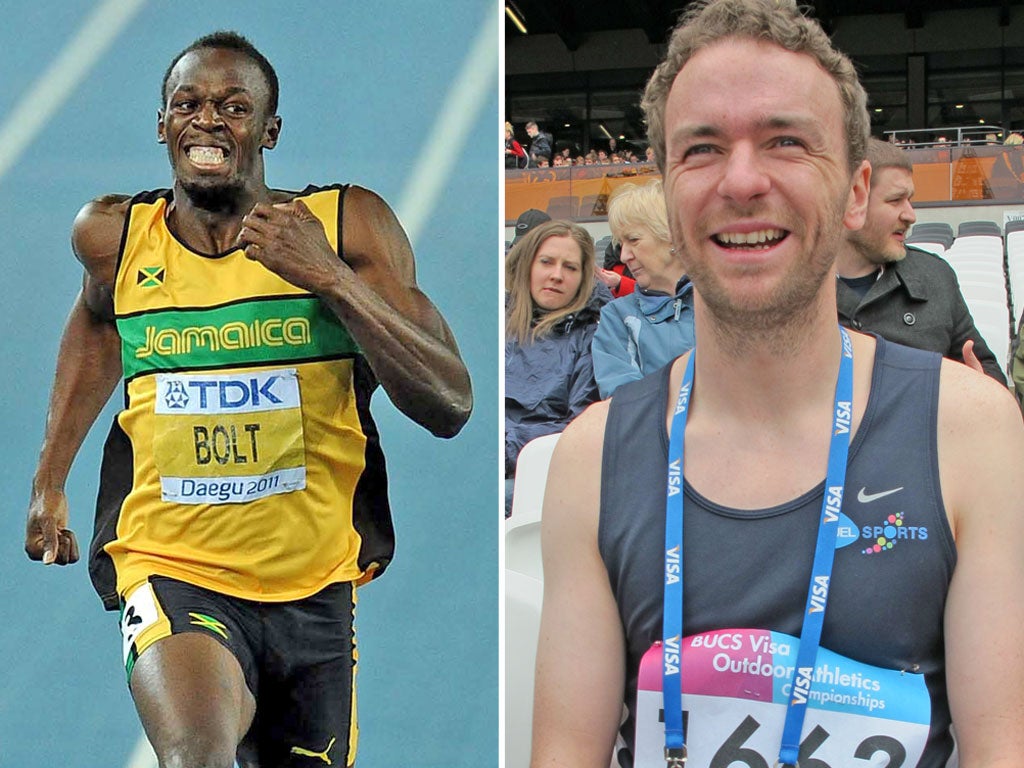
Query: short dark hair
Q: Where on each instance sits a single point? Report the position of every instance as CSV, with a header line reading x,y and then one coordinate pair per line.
x,y
231,41
882,155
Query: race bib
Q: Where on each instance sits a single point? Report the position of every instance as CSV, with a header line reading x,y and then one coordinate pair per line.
x,y
736,687
139,613
228,438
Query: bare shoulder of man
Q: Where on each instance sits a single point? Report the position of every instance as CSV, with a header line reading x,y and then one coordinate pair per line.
x,y
981,450
581,649
96,240
373,239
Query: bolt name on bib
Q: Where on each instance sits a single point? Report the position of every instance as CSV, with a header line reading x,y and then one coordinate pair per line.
x,y
228,438
222,444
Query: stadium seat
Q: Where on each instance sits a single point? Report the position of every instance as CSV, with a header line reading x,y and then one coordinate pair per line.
x,y
926,233
587,203
926,244
563,207
992,320
1015,267
1017,225
522,529
523,597
979,228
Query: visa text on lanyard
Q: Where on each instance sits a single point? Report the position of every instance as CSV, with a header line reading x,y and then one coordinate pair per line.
x,y
821,571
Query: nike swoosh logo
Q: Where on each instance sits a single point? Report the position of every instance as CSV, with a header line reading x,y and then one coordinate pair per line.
x,y
866,498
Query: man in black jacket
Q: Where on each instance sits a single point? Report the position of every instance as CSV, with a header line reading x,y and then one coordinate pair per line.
x,y
540,143
900,292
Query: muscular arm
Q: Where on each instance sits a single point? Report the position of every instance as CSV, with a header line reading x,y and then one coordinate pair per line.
x,y
373,291
580,656
88,368
981,450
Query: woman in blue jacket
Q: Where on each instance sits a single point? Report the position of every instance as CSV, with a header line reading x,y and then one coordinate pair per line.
x,y
551,312
649,328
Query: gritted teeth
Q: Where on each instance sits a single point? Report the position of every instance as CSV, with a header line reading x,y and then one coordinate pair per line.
x,y
761,237
206,155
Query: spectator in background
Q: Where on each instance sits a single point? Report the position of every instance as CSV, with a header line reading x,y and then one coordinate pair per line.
x,y
652,326
551,311
540,144
649,154
527,220
559,161
615,274
515,155
602,157
898,291
1017,370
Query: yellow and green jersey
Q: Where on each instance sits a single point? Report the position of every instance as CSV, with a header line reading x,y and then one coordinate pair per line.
x,y
245,459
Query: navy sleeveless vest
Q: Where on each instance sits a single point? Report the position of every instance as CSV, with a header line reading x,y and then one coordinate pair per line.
x,y
750,568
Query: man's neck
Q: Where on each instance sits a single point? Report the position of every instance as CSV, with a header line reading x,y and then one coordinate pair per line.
x,y
851,262
762,374
212,231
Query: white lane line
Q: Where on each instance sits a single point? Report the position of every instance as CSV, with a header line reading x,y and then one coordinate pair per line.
x,y
50,92
469,91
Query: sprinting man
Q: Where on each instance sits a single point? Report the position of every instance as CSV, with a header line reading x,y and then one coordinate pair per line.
x,y
243,489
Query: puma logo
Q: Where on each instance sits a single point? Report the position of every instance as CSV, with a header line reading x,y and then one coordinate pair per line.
x,y
309,753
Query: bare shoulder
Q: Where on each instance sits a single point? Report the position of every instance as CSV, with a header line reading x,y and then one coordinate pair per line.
x,y
971,401
574,478
372,236
96,236
980,443
583,439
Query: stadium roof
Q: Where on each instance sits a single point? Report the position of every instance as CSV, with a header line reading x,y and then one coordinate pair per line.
x,y
573,20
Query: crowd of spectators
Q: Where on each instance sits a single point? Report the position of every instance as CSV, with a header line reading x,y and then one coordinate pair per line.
x,y
539,150
623,317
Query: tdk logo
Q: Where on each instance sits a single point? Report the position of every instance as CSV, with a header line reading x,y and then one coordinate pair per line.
x,y
234,393
176,397
227,393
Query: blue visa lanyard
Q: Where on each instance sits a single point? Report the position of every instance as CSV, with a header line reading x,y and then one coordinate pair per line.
x,y
821,570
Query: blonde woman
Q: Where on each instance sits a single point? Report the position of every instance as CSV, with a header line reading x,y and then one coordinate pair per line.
x,y
551,313
646,329
515,155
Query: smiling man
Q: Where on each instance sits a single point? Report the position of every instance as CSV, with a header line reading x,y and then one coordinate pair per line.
x,y
848,586
243,491
898,291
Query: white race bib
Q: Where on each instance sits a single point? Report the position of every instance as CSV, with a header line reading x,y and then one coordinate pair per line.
x,y
736,688
228,438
